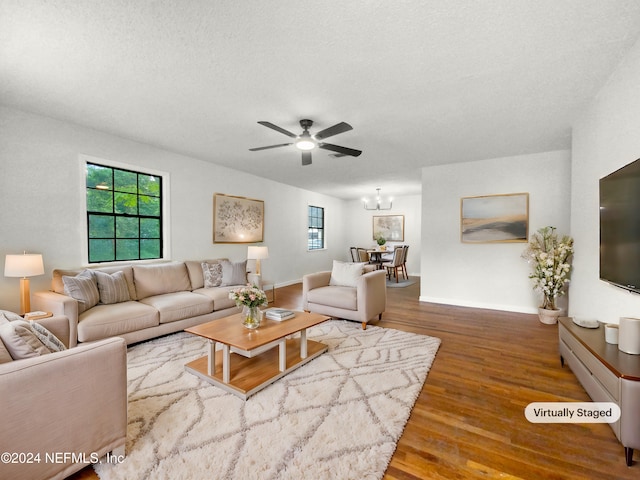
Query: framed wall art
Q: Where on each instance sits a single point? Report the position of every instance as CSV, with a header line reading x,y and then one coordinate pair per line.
x,y
494,218
237,219
391,227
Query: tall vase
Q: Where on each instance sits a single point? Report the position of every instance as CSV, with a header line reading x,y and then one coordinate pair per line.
x,y
252,317
549,316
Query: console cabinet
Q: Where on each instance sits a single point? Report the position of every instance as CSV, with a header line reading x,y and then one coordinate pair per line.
x,y
607,374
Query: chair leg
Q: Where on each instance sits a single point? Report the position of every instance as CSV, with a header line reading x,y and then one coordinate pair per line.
x,y
364,325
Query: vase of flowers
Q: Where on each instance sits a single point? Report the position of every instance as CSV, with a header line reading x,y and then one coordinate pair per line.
x,y
249,298
550,257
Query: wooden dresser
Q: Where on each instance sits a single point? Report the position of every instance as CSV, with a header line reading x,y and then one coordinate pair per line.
x,y
607,374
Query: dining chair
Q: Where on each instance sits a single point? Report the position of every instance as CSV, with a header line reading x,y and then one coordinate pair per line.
x,y
363,256
396,263
354,254
404,262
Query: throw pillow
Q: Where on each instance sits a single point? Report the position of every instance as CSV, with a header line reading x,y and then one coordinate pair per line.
x,y
47,338
212,273
20,340
233,273
83,288
112,287
9,316
346,274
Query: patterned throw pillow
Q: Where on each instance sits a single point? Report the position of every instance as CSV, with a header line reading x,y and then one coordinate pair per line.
x,y
233,273
83,288
21,341
212,273
112,287
47,338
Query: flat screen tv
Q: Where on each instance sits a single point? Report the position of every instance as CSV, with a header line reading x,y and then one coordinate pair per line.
x,y
620,227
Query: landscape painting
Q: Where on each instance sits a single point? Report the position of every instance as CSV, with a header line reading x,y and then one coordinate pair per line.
x,y
495,218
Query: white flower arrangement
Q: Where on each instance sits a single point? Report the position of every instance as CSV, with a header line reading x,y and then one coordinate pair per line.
x,y
249,295
550,257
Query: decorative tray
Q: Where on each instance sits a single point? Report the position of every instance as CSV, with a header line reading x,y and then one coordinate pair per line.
x,y
586,322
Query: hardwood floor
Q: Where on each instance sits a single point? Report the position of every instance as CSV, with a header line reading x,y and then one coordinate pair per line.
x,y
468,422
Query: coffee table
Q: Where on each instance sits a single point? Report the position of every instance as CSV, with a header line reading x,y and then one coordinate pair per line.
x,y
249,360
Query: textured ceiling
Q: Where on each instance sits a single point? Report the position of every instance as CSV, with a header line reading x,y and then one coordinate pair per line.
x,y
422,82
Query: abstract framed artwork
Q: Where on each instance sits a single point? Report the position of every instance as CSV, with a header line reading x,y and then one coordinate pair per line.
x,y
391,227
237,219
494,218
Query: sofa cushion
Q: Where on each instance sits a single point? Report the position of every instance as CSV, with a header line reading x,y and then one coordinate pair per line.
x,y
335,296
153,280
21,341
219,295
233,273
104,321
346,274
112,287
83,288
179,305
212,273
194,267
58,287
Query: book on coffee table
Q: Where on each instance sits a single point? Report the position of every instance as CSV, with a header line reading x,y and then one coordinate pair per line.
x,y
279,314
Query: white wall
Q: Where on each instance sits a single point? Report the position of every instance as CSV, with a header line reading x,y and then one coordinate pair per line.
x,y
604,139
491,275
41,191
359,228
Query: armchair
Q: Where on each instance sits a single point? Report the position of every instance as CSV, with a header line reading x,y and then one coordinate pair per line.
x,y
69,408
362,303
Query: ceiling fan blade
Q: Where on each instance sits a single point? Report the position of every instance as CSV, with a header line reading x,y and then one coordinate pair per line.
x,y
278,129
270,146
335,130
337,148
306,158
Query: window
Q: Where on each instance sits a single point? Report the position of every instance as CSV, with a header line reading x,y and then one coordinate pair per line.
x,y
315,239
124,214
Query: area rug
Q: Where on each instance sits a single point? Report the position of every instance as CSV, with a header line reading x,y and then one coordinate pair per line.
x,y
338,417
402,282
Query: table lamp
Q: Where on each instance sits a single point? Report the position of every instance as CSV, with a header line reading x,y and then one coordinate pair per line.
x,y
257,254
25,265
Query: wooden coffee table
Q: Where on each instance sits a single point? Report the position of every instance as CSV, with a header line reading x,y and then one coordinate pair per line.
x,y
249,360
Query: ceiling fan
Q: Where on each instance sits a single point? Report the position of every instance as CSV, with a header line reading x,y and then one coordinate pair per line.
x,y
307,142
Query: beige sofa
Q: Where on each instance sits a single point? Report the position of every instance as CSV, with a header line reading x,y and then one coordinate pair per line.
x,y
63,410
361,298
162,298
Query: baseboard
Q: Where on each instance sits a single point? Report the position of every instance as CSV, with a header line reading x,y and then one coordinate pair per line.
x,y
488,306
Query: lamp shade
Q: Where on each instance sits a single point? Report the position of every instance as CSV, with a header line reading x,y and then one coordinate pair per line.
x,y
257,253
25,265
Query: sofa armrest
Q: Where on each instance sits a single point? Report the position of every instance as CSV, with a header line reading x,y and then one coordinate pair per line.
x,y
69,402
60,326
59,304
371,294
311,281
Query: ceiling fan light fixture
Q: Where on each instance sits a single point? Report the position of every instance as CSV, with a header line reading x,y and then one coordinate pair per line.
x,y
305,142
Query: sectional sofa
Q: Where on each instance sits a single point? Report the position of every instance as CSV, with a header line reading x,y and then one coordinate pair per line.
x,y
139,302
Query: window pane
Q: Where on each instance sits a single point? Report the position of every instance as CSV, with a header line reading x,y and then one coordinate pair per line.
x,y
125,181
101,251
100,201
99,176
127,227
127,249
149,248
149,206
126,203
101,226
149,228
149,185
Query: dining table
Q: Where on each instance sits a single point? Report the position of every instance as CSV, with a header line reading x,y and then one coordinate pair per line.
x,y
375,256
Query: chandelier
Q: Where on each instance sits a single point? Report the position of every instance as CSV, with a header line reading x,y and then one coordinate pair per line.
x,y
378,205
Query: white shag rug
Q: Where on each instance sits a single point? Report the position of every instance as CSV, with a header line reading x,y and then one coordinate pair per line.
x,y
338,417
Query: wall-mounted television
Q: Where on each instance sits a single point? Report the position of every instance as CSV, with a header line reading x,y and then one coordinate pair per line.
x,y
620,227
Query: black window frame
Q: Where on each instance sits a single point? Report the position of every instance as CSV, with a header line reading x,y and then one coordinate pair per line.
x,y
316,231
125,217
